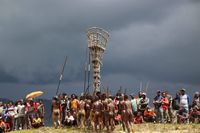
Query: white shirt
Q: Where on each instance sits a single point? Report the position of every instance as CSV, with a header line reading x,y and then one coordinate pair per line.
x,y
184,101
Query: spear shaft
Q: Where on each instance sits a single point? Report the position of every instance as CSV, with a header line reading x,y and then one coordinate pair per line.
x,y
61,75
85,76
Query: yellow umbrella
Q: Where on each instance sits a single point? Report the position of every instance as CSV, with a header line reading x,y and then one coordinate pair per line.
x,y
34,94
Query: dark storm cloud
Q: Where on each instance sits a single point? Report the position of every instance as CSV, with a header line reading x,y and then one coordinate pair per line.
x,y
35,35
150,40
7,77
165,52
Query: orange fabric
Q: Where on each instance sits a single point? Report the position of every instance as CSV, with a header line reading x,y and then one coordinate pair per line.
x,y
149,113
74,104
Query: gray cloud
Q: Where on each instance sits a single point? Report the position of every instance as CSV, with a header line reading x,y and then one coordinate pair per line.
x,y
166,51
7,77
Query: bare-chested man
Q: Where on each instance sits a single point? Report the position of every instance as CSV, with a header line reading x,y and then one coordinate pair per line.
x,y
97,111
104,115
127,113
111,114
129,108
88,107
81,112
56,112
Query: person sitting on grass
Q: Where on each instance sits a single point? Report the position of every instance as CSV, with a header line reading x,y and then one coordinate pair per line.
x,y
37,122
181,116
2,125
69,119
8,122
139,118
149,115
195,115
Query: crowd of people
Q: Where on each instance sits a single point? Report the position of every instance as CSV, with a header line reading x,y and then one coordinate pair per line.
x,y
23,114
102,110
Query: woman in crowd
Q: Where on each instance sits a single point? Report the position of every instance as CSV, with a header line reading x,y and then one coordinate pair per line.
x,y
100,111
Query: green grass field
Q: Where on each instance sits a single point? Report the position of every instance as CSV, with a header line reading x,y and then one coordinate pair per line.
x,y
140,128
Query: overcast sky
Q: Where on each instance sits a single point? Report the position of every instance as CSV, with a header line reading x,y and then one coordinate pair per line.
x,y
150,40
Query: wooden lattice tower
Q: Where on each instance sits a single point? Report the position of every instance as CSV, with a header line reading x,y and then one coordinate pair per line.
x,y
97,41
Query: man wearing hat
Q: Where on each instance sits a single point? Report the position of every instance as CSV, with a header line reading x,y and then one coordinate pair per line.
x,y
143,103
184,101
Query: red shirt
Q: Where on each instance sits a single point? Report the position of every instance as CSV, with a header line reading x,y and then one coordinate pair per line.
x,y
165,103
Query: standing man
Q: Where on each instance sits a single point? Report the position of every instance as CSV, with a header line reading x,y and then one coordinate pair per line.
x,y
105,115
74,107
63,105
56,112
175,106
144,102
158,109
126,113
196,100
184,101
129,109
21,115
170,110
81,112
97,108
88,108
41,111
134,104
111,114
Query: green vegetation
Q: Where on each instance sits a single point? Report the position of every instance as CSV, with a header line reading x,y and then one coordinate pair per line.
x,y
140,128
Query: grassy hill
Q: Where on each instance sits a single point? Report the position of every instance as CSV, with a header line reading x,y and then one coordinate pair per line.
x,y
140,128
